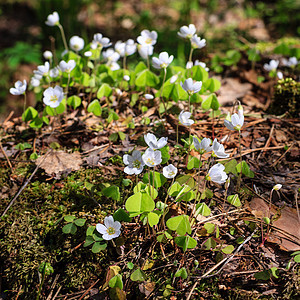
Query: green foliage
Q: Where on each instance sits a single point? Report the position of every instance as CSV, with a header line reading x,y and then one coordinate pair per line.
x,y
71,227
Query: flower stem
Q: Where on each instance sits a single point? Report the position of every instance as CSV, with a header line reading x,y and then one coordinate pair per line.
x,y
189,103
124,62
24,105
63,36
241,160
191,54
161,91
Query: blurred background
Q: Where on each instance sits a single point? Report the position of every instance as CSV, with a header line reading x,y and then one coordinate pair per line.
x,y
227,25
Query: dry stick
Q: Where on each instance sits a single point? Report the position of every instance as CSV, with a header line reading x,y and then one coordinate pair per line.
x,y
58,290
4,153
89,289
268,142
52,287
226,260
26,183
280,158
297,207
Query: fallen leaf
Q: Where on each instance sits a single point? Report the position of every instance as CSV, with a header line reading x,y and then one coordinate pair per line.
x,y
59,162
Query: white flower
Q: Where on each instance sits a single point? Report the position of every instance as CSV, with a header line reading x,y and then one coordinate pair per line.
x,y
291,62
110,229
126,77
135,163
187,32
113,65
76,43
145,50
203,146
54,72
162,61
236,123
189,65
190,86
170,171
272,66
67,66
201,64
174,78
100,41
118,92
19,89
48,55
53,96
35,82
197,43
52,19
154,143
277,187
279,75
216,174
152,158
184,118
42,70
88,53
218,150
127,48
149,96
147,37
111,55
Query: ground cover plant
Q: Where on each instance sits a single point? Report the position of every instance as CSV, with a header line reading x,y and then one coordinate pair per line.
x,y
128,179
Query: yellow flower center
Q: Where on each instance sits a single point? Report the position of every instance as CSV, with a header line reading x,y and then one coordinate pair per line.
x,y
111,230
136,163
207,177
150,161
53,98
148,41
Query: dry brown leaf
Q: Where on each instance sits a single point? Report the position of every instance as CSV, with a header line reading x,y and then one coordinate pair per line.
x,y
286,232
59,162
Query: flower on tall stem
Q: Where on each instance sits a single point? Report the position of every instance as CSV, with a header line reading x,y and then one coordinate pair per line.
x,y
272,65
19,89
203,146
236,122
216,174
53,19
53,96
100,42
155,143
197,42
67,66
42,70
76,43
170,171
277,187
190,86
184,118
218,150
135,163
163,60
48,55
110,229
147,37
152,158
187,32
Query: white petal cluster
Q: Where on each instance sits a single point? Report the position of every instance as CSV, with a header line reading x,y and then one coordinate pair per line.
x,y
35,82
187,32
76,43
197,42
134,162
218,150
19,89
236,123
110,230
184,118
149,96
100,42
111,55
190,86
53,96
272,65
145,50
42,70
53,73
170,171
125,48
152,158
203,146
147,37
162,61
155,143
216,174
277,187
67,66
52,19
292,62
201,64
48,55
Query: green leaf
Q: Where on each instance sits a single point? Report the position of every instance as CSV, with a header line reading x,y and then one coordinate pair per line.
x,y
152,192
193,162
29,114
121,215
80,222
185,194
159,179
130,265
140,67
88,241
153,219
74,101
180,224
146,78
264,275
165,156
185,242
210,228
211,102
174,189
245,169
139,203
210,244
182,273
104,91
69,228
56,111
186,179
138,275
97,247
212,84
90,230
97,236
95,108
234,200
228,249
203,210
33,156
36,122
69,218
199,73
116,281
230,167
297,258
112,192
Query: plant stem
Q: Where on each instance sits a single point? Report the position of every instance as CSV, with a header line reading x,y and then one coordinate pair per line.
x,y
24,105
241,160
189,103
161,91
191,54
124,62
63,36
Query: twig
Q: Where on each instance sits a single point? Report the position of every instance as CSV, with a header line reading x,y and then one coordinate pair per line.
x,y
226,260
26,183
52,287
88,289
268,141
58,290
279,159
4,153
297,207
